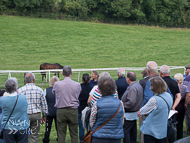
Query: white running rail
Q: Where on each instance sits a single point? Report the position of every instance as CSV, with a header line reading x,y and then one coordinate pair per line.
x,y
82,70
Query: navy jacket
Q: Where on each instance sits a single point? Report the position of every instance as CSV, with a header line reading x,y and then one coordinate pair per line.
x,y
50,98
122,85
83,97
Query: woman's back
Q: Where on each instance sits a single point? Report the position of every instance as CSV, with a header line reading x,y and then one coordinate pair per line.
x,y
83,97
50,98
19,118
107,106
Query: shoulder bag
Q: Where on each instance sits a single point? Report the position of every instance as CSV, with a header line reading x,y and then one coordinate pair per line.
x,y
171,130
1,134
88,136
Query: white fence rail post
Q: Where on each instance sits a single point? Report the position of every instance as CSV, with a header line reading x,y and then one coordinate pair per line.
x,y
82,70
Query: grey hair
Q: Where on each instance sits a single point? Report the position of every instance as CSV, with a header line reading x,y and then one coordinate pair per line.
x,y
66,70
103,74
179,77
29,77
121,71
15,79
11,85
152,66
106,85
165,69
53,80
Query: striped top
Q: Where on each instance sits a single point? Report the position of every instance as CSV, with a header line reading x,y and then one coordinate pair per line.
x,y
95,93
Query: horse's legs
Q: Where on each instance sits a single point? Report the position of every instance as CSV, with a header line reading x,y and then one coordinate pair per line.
x,y
42,77
43,74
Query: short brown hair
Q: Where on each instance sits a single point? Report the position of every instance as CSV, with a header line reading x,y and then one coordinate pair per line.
x,y
158,85
144,72
131,76
106,86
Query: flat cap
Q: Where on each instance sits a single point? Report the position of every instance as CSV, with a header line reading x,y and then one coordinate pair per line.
x,y
187,66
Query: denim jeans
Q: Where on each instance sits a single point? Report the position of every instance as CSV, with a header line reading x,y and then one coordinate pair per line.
x,y
81,129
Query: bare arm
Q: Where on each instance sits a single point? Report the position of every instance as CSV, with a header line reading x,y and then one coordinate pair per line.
x,y
187,99
89,100
177,100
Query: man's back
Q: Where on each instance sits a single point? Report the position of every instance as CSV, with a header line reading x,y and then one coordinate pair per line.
x,y
133,97
35,98
67,92
172,84
122,85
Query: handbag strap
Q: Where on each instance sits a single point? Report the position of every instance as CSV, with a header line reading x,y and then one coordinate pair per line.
x,y
109,119
166,103
11,112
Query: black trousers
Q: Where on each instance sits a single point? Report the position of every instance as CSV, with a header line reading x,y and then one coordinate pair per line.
x,y
100,140
151,139
49,120
130,131
180,119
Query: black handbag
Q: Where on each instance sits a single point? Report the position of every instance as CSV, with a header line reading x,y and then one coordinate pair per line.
x,y
1,133
171,127
87,116
171,130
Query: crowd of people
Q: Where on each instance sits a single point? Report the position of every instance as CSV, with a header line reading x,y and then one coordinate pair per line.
x,y
110,108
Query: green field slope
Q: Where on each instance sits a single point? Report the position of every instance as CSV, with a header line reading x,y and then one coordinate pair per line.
x,y
25,43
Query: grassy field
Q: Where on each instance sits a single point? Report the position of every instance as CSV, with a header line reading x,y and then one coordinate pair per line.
x,y
25,43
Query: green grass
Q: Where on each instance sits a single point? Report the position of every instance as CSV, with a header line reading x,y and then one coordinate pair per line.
x,y
25,43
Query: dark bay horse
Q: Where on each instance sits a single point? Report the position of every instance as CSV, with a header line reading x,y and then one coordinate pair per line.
x,y
46,66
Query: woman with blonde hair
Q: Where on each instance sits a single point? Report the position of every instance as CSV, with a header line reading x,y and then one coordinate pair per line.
x,y
50,98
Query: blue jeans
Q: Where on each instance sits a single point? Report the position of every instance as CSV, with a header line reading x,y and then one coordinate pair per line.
x,y
81,129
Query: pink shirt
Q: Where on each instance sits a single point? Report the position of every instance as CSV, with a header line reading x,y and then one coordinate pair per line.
x,y
66,93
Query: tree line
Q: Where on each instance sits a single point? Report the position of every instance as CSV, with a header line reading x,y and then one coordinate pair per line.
x,y
168,12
